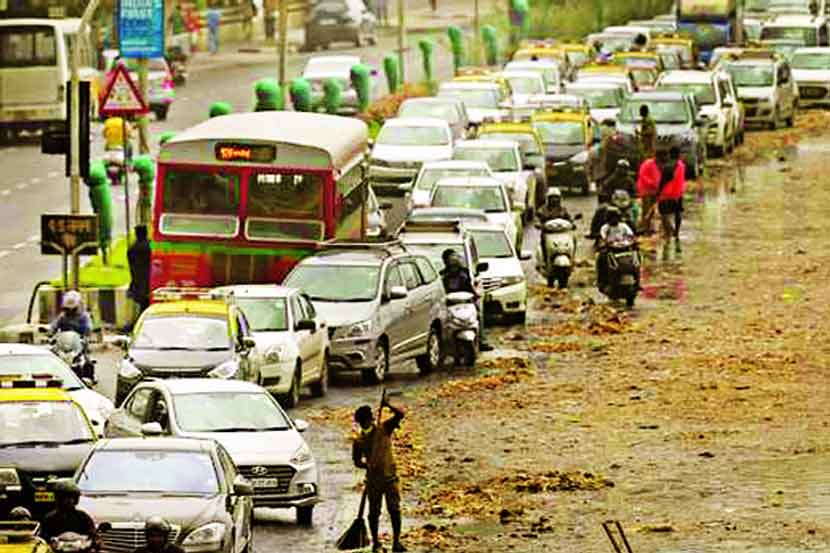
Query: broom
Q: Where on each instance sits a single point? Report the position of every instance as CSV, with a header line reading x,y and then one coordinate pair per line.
x,y
356,537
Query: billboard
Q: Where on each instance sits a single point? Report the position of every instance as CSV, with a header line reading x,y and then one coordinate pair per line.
x,y
141,28
705,8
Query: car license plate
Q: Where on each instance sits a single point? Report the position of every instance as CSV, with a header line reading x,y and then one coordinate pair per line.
x,y
266,482
42,496
328,22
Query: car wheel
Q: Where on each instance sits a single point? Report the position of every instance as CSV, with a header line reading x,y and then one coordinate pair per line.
x,y
319,388
292,398
305,516
434,357
377,374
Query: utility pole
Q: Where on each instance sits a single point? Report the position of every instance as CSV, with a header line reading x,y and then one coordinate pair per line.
x,y
402,40
143,139
283,47
74,130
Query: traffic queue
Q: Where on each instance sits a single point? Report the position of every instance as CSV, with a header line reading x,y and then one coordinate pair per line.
x,y
276,264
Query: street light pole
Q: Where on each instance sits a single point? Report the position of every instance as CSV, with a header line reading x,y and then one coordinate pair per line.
x,y
75,130
283,45
402,40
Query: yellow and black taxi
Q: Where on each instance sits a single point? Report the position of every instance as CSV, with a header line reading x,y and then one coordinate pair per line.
x,y
578,54
188,333
573,148
683,46
44,436
645,67
531,147
21,536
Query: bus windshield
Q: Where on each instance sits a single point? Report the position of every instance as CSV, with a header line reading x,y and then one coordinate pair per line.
x,y
284,206
200,203
26,46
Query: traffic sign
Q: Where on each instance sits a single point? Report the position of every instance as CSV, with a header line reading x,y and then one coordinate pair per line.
x,y
121,96
62,234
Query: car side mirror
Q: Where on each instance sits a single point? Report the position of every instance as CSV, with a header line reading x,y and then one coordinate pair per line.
x,y
398,292
301,425
151,429
121,341
306,324
88,381
241,486
482,267
248,343
578,217
525,255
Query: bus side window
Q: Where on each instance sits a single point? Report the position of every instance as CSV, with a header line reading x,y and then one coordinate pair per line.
x,y
351,193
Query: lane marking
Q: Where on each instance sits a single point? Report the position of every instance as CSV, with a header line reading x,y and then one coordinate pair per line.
x,y
33,238
36,180
51,175
5,192
4,253
19,245
22,185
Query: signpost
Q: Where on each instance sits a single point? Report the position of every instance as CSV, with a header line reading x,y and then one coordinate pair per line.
x,y
122,99
68,235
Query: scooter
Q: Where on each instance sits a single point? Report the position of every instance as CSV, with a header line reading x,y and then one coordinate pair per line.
x,y
623,271
72,542
462,327
556,260
70,347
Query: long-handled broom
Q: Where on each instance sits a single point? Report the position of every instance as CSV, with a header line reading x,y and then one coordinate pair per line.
x,y
356,537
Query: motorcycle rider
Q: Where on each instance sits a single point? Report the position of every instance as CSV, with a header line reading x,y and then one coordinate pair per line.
x,y
157,532
615,229
620,179
73,316
67,517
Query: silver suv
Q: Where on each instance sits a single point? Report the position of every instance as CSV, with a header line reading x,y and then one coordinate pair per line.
x,y
382,305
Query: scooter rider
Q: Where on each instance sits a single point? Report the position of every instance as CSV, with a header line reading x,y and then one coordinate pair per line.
x,y
67,517
628,210
157,532
611,232
73,316
456,279
553,209
620,179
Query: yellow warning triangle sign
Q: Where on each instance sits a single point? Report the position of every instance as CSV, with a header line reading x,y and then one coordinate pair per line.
x,y
122,96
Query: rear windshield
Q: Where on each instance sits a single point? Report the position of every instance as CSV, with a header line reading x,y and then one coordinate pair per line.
x,y
805,34
28,46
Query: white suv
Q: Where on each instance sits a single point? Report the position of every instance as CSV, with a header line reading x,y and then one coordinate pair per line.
x,y
811,69
766,87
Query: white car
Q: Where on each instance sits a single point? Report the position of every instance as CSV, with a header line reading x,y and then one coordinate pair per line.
x,y
320,68
450,109
766,87
604,99
504,158
812,31
294,342
503,283
621,79
434,171
263,442
811,69
483,100
403,145
28,361
549,70
524,84
713,98
486,194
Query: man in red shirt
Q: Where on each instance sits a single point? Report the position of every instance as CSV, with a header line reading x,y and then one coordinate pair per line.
x,y
648,184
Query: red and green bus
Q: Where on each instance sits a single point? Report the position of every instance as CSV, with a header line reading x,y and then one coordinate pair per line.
x,y
242,198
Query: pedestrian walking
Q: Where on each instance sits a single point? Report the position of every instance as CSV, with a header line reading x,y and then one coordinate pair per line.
x,y
138,259
671,198
648,183
372,450
214,18
647,134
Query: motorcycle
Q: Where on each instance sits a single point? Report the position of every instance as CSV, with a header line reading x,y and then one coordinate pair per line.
x,y
177,60
622,271
70,347
556,260
71,542
462,326
115,164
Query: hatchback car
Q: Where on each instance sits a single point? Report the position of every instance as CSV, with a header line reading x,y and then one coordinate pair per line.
x,y
339,21
433,171
549,70
382,305
523,84
193,484
318,69
532,149
449,109
188,339
604,99
264,443
811,69
481,99
293,340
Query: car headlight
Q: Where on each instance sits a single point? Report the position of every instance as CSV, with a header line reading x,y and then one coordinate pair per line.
x,y
276,353
208,534
581,158
9,478
356,330
226,370
302,455
128,370
511,280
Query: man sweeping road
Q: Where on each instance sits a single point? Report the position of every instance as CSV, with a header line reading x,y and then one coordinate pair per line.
x,y
372,450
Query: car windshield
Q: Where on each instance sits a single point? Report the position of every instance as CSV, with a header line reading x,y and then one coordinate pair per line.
x,y
437,110
434,251
336,282
805,34
666,112
704,93
527,142
526,85
811,61
41,365
561,132
428,177
183,332
789,5
228,412
599,98
413,136
264,314
492,243
475,98
751,75
489,199
756,5
498,159
149,471
42,422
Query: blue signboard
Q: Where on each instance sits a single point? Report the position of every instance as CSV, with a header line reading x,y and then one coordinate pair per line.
x,y
141,28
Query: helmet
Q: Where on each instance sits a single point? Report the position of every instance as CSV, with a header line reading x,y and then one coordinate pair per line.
x,y
554,192
71,300
623,163
621,199
66,487
446,254
156,524
20,513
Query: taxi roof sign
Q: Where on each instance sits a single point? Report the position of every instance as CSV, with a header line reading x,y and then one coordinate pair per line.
x,y
19,383
170,293
121,96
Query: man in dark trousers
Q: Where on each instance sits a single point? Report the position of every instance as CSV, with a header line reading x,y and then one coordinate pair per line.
x,y
372,450
138,257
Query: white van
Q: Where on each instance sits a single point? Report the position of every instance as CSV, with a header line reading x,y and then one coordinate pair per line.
x,y
34,68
